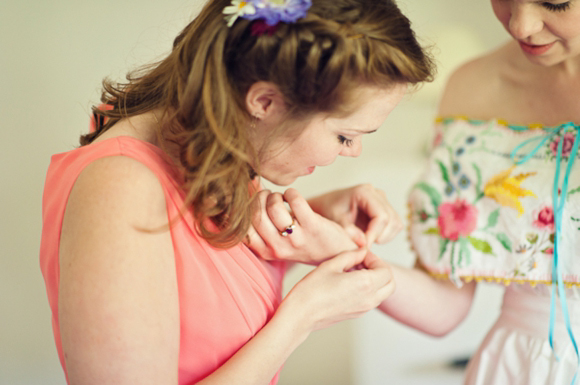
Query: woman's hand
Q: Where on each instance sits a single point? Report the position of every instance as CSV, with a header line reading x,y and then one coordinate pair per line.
x,y
361,208
328,294
334,291
312,239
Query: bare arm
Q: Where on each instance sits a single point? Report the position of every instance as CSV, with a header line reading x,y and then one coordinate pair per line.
x,y
435,306
118,303
431,306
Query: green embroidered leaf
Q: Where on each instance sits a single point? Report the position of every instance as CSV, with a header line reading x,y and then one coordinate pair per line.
x,y
444,172
574,191
505,241
464,251
452,260
433,195
479,180
492,219
432,230
481,245
532,238
442,247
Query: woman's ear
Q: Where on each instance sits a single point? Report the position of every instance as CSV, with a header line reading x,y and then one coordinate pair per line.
x,y
264,100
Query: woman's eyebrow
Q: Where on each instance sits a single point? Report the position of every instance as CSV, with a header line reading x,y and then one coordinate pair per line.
x,y
367,132
357,131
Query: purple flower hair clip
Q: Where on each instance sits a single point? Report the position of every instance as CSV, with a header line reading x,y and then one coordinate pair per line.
x,y
270,12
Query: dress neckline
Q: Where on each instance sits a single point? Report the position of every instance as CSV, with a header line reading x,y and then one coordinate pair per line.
x,y
500,122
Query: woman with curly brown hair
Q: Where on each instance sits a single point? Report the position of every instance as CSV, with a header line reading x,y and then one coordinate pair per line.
x,y
162,256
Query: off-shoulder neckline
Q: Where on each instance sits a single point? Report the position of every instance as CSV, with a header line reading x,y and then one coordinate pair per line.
x,y
501,122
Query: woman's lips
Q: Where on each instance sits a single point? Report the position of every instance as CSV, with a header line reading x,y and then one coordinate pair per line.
x,y
535,49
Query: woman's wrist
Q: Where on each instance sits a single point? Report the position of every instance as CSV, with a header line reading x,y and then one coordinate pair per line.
x,y
290,316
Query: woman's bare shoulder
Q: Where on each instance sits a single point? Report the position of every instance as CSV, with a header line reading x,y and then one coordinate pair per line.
x,y
120,185
470,89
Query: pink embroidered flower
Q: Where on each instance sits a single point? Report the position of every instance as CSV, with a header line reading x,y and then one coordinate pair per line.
x,y
548,251
438,139
566,146
544,219
456,219
423,216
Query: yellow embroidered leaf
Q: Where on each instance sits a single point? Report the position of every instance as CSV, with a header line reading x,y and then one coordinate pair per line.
x,y
500,177
506,190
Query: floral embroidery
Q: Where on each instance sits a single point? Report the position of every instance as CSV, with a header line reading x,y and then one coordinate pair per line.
x,y
476,214
544,219
568,138
549,250
506,190
438,139
456,219
542,242
566,147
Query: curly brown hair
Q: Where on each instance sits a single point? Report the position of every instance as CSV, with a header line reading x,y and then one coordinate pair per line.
x,y
315,62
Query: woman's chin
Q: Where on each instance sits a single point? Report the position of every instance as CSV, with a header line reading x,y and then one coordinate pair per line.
x,y
280,180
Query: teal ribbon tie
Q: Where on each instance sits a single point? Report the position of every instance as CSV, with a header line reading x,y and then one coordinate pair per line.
x,y
558,201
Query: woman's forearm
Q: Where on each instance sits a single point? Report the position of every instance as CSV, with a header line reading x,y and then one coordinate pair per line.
x,y
432,306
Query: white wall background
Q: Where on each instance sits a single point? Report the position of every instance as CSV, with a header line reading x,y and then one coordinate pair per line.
x,y
53,55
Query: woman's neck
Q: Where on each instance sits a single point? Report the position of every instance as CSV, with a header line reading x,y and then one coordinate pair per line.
x,y
143,127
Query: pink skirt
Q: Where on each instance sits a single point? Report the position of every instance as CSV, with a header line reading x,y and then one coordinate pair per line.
x,y
517,351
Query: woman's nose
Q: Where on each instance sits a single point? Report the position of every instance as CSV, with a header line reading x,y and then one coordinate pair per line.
x,y
525,21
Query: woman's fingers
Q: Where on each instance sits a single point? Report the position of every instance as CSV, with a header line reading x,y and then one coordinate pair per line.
x,y
385,223
279,214
257,244
290,230
299,207
356,234
273,217
346,260
336,292
384,275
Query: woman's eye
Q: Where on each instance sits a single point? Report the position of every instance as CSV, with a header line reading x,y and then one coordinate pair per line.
x,y
343,140
556,7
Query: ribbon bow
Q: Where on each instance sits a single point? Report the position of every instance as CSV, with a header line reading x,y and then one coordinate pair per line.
x,y
558,203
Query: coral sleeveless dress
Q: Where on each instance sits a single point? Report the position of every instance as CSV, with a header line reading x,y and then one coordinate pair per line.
x,y
225,296
487,209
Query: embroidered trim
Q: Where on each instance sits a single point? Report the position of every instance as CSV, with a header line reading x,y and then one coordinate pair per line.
x,y
505,281
514,127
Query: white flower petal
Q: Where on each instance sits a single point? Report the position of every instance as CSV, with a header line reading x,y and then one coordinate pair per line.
x,y
232,20
237,10
230,9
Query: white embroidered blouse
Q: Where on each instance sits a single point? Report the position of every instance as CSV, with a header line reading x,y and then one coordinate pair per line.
x,y
475,214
